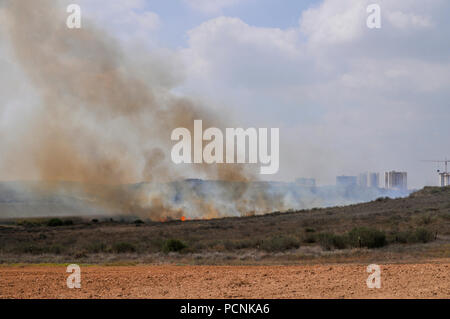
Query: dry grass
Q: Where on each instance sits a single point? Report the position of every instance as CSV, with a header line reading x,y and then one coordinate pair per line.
x,y
414,227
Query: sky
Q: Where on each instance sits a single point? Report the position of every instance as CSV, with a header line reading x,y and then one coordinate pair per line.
x,y
347,99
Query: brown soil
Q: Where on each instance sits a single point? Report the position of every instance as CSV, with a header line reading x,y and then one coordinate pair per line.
x,y
428,280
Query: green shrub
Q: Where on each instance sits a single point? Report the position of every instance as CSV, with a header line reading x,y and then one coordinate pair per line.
x,y
68,222
241,244
38,250
403,237
325,240
123,248
330,241
173,245
309,238
340,242
280,243
445,215
80,254
31,249
97,247
54,222
26,223
367,237
423,235
54,249
420,235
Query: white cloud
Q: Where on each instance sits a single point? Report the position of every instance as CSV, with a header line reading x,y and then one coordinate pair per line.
x,y
211,6
127,20
403,20
216,44
347,98
334,21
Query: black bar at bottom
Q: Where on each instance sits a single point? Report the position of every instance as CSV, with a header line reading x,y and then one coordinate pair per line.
x,y
234,308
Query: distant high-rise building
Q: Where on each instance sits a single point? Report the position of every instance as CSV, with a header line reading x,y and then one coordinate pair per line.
x,y
396,180
346,180
363,179
444,179
306,182
369,180
374,180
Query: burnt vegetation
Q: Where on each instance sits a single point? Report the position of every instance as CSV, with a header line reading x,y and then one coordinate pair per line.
x,y
418,225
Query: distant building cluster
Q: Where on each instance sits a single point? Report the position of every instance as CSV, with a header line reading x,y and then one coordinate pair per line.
x,y
369,180
362,180
392,180
396,180
444,179
346,181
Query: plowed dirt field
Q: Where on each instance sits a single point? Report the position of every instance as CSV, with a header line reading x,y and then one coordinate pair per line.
x,y
428,280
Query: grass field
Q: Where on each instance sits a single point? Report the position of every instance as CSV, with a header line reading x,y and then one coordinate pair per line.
x,y
405,229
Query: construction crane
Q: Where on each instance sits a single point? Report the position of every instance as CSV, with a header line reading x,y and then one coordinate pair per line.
x,y
444,177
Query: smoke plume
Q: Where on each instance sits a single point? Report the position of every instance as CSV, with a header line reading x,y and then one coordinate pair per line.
x,y
102,125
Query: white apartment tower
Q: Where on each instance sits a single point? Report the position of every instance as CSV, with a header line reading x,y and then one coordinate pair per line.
x,y
396,180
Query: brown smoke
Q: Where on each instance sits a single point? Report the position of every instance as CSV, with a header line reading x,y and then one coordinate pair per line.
x,y
102,125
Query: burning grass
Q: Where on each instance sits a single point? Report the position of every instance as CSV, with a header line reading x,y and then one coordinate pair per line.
x,y
413,226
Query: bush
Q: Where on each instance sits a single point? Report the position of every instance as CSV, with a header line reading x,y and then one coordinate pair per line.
x,y
40,249
445,215
423,235
367,237
420,235
54,222
403,237
123,248
326,241
331,241
26,223
31,249
173,245
280,243
68,222
425,220
241,244
55,249
97,247
309,238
